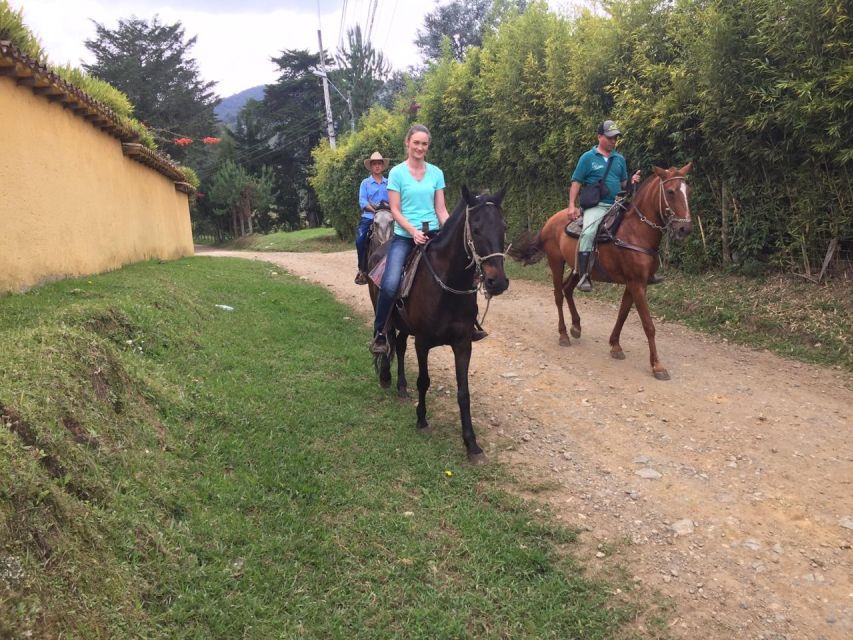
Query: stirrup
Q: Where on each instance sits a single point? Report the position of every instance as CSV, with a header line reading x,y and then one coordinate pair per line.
x,y
655,279
584,284
479,334
379,346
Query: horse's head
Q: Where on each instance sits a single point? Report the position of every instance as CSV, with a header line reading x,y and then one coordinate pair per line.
x,y
484,238
672,200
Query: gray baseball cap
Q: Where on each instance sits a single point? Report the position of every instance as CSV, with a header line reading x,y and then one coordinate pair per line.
x,y
609,128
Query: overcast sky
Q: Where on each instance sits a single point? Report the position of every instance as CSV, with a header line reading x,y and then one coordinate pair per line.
x,y
237,38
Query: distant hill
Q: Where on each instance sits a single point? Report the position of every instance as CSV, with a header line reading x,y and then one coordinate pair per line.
x,y
228,109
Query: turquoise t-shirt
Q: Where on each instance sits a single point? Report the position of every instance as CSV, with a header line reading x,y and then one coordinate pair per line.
x,y
590,170
417,198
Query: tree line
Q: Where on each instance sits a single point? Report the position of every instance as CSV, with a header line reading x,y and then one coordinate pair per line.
x,y
757,93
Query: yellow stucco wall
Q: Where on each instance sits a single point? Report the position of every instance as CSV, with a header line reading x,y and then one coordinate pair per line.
x,y
71,203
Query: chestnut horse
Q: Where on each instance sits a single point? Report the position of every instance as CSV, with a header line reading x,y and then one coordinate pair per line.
x,y
442,304
659,205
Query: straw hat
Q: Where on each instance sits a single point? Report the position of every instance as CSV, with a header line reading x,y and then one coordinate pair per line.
x,y
376,156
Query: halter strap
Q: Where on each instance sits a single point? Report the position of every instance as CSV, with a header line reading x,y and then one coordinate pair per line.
x,y
666,212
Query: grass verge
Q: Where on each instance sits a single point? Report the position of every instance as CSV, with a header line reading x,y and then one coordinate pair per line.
x,y
171,468
788,316
322,240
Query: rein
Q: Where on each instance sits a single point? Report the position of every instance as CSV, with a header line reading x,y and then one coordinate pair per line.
x,y
476,260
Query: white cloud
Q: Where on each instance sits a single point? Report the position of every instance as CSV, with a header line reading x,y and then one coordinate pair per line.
x,y
235,40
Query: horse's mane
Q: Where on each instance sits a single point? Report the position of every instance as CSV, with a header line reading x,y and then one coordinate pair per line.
x,y
456,218
645,184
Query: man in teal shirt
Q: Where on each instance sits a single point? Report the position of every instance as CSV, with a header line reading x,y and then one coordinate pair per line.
x,y
590,169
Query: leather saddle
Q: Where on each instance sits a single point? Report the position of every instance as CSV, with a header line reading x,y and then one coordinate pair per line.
x,y
380,241
609,224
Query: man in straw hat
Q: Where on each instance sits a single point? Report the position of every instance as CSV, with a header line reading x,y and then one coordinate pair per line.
x,y
373,191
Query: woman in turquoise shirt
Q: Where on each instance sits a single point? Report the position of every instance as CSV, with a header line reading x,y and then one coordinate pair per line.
x,y
416,195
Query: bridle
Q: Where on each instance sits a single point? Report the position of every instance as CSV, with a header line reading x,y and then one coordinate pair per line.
x,y
471,251
666,212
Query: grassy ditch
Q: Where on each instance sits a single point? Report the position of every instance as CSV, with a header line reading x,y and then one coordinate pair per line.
x,y
789,316
170,468
322,240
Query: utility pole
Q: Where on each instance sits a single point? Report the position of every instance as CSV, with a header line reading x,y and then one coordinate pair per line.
x,y
329,121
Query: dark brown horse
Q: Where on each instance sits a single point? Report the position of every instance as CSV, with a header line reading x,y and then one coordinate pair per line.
x,y
442,304
659,205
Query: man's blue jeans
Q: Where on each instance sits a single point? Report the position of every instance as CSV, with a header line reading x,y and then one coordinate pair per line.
x,y
398,252
361,242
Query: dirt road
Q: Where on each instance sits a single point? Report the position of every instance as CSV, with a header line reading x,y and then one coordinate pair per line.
x,y
729,489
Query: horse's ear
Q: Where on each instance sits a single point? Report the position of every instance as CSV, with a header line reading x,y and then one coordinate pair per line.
x,y
686,168
660,173
467,196
499,196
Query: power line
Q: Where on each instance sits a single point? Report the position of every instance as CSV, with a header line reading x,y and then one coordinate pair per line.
x,y
390,24
371,16
341,28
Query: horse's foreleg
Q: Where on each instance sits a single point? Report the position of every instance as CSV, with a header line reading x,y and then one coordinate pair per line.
x,y
558,266
462,357
658,369
423,382
400,343
624,309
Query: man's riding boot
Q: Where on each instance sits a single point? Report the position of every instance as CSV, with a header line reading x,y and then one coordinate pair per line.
x,y
584,283
655,279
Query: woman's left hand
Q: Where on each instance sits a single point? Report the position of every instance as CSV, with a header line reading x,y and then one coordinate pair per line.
x,y
636,177
419,237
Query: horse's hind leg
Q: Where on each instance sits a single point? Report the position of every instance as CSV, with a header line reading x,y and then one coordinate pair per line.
x,y
558,266
462,358
423,382
569,288
624,309
400,343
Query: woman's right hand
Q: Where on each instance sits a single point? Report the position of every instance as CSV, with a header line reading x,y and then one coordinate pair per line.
x,y
419,236
574,212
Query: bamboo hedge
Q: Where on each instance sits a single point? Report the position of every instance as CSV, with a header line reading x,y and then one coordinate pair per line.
x,y
757,93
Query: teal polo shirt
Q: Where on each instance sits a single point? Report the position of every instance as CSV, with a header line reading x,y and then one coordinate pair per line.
x,y
590,169
417,197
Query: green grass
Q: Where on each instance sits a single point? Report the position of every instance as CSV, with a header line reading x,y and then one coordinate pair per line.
x,y
789,316
171,469
322,239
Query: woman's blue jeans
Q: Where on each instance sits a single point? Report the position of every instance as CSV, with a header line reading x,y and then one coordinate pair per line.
x,y
398,252
361,242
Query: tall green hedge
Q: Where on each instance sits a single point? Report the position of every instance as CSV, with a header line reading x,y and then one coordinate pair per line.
x,y
757,93
338,172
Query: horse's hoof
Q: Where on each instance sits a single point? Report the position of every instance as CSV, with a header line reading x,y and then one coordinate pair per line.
x,y
403,393
564,340
617,355
384,383
477,458
425,427
663,374
576,332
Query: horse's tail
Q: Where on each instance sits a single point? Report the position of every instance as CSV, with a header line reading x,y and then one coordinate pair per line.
x,y
526,249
